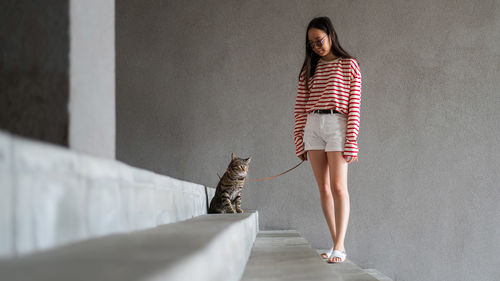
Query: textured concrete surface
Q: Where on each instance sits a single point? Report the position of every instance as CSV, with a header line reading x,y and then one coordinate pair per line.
x,y
377,274
52,196
57,73
199,80
7,198
285,255
34,69
208,247
92,80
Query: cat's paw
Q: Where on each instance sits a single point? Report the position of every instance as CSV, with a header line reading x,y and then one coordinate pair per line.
x,y
239,210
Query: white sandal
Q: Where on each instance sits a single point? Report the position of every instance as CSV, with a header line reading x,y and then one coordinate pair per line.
x,y
338,254
328,254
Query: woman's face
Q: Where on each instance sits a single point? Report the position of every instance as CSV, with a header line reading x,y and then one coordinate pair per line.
x,y
316,35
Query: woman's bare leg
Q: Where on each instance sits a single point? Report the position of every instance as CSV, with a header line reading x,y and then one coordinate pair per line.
x,y
338,182
319,166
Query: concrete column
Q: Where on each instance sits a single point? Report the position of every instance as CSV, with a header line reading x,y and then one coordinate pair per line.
x,y
92,77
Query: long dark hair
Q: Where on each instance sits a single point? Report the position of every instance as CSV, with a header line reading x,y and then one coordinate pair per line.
x,y
311,59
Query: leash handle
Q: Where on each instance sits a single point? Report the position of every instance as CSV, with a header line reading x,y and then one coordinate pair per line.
x,y
277,174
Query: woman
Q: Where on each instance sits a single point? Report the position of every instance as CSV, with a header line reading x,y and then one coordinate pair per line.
x,y
327,113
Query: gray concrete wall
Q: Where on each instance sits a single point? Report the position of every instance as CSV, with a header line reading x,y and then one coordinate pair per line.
x,y
199,80
34,67
57,73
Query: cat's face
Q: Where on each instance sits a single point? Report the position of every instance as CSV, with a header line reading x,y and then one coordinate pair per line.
x,y
239,166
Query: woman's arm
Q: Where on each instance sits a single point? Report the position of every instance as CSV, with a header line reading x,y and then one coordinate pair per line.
x,y
353,117
300,115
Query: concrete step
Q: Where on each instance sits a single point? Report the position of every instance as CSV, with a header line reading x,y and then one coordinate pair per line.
x,y
377,274
52,196
372,271
285,255
207,247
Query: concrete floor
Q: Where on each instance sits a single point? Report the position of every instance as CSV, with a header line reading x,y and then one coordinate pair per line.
x,y
285,255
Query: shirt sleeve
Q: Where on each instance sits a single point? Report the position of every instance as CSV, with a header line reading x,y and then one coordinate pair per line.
x,y
353,116
300,115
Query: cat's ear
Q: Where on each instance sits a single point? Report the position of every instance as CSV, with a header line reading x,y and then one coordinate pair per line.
x,y
248,160
233,156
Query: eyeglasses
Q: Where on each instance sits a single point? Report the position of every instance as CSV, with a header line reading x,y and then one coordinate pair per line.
x,y
318,43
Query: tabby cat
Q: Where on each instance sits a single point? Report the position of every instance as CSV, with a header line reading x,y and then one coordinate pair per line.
x,y
227,198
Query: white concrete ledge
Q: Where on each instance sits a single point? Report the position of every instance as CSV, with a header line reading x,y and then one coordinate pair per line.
x,y
208,247
52,196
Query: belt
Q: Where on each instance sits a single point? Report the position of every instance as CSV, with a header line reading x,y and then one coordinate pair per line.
x,y
325,111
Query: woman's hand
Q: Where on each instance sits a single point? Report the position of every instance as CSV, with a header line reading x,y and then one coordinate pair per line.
x,y
350,159
303,156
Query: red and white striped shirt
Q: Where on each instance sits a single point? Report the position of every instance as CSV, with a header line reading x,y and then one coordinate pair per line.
x,y
335,85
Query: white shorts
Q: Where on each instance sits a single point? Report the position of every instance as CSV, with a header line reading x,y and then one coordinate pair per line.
x,y
325,132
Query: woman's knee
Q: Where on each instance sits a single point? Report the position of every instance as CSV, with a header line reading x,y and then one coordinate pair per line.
x,y
324,189
338,189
